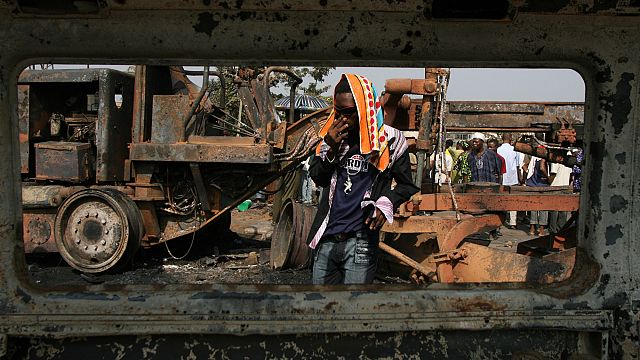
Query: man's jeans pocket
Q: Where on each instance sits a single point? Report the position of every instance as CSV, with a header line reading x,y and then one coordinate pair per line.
x,y
365,250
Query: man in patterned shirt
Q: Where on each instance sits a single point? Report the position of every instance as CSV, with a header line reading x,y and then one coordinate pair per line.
x,y
485,165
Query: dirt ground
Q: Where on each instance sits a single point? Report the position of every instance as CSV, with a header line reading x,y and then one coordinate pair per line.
x,y
240,256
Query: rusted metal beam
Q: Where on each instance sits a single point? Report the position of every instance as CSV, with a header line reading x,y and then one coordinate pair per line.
x,y
437,223
404,258
486,264
497,202
411,86
541,129
508,116
204,153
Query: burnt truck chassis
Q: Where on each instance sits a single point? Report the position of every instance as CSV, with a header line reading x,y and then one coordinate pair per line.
x,y
104,176
593,313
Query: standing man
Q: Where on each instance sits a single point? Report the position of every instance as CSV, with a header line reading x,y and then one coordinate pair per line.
x,y
513,175
560,176
538,176
492,145
355,164
485,165
441,167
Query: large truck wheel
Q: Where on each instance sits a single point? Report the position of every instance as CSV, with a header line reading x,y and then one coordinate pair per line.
x,y
98,230
289,249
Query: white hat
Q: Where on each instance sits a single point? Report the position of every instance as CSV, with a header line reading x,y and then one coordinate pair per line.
x,y
479,136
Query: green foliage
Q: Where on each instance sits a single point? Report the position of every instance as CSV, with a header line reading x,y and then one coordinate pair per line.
x,y
280,81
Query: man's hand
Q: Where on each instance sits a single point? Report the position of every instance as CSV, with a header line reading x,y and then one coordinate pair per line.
x,y
336,133
376,222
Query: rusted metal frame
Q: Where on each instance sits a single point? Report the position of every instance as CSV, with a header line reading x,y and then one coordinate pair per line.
x,y
541,129
202,153
296,80
478,263
437,223
23,125
223,84
425,86
201,189
423,144
264,181
113,128
554,155
454,237
140,86
476,107
168,113
65,161
37,228
149,217
46,196
404,258
187,119
250,108
496,202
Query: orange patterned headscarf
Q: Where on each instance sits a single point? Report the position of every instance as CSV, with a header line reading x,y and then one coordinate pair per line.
x,y
373,137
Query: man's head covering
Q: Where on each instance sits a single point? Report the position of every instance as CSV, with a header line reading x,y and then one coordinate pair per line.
x,y
479,136
373,137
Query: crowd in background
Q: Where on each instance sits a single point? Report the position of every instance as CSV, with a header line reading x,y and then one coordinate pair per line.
x,y
496,161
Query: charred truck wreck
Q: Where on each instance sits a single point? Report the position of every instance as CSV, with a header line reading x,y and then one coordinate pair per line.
x,y
112,162
175,177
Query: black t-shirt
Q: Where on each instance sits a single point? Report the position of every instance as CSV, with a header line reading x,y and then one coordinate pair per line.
x,y
355,176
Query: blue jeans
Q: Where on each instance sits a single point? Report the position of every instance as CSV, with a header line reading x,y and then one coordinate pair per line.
x,y
349,261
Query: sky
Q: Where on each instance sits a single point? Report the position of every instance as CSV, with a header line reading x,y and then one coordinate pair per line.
x,y
563,85
471,84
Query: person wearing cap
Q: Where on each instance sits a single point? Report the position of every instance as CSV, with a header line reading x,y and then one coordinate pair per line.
x,y
485,165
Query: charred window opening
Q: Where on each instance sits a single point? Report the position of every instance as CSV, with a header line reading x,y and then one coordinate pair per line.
x,y
58,7
202,168
469,9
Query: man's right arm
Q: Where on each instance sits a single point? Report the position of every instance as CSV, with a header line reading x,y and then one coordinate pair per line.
x,y
321,171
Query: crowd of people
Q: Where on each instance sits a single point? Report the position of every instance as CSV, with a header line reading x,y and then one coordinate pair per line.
x,y
494,161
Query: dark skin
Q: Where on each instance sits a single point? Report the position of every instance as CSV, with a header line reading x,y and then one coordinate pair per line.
x,y
345,127
477,147
493,146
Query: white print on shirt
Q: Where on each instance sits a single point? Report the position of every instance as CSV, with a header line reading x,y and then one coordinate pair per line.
x,y
354,165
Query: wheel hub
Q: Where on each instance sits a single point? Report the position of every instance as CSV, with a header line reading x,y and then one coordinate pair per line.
x,y
94,233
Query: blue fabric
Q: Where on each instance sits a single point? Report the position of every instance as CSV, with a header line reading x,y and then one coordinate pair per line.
x,y
352,261
486,168
577,172
537,179
346,214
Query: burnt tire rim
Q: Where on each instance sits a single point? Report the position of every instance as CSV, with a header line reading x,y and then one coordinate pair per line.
x,y
96,230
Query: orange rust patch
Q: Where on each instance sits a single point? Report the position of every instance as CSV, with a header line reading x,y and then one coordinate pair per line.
x,y
478,304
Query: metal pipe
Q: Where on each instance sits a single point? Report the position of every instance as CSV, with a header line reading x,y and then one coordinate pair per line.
x,y
292,103
292,94
223,84
194,107
404,258
422,134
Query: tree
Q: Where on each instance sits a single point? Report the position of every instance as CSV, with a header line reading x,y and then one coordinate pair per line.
x,y
279,80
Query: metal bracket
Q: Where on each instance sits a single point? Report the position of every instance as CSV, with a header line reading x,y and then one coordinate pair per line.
x,y
200,187
448,256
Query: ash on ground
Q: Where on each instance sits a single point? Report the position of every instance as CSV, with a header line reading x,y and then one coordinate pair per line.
x,y
239,256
